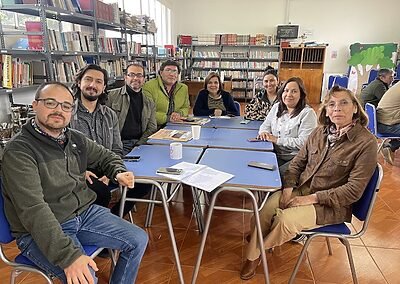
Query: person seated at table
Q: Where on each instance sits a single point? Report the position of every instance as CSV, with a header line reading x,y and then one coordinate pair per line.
x,y
261,104
289,122
326,177
213,100
170,97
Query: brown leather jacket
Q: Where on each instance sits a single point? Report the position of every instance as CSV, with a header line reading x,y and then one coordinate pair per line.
x,y
338,174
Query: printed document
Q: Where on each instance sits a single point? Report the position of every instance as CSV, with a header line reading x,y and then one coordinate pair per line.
x,y
200,176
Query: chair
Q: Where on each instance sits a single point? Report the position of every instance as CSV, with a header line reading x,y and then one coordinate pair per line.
x,y
338,81
237,105
21,263
362,210
373,126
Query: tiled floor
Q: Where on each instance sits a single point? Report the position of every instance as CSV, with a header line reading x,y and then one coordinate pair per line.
x,y
376,254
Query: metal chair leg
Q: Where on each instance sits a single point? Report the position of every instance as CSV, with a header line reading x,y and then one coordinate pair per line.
x,y
300,259
207,227
328,243
351,261
150,208
130,217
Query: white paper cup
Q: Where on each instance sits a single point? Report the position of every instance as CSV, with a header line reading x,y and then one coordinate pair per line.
x,y
196,132
175,151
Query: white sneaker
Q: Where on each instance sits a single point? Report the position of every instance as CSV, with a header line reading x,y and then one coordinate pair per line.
x,y
388,155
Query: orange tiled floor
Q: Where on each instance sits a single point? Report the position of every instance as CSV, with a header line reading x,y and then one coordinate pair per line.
x,y
376,255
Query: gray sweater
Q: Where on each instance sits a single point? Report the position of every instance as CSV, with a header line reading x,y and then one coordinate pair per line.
x,y
44,186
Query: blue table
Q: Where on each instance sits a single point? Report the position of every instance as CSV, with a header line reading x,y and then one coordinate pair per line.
x,y
220,138
237,139
206,136
151,158
246,179
235,162
233,122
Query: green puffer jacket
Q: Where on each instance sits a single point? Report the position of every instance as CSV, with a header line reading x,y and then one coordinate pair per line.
x,y
155,90
44,186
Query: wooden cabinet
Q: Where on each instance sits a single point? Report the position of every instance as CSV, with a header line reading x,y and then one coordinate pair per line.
x,y
306,63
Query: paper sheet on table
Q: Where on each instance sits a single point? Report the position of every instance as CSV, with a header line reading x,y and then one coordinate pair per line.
x,y
199,176
220,117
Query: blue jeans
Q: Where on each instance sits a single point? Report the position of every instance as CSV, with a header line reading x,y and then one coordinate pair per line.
x,y
391,129
96,226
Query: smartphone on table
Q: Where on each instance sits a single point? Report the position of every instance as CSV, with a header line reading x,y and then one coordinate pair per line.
x,y
131,158
260,165
255,140
170,171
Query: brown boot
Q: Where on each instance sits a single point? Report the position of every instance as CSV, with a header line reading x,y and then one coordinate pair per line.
x,y
249,268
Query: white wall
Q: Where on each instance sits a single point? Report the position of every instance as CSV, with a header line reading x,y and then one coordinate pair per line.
x,y
338,23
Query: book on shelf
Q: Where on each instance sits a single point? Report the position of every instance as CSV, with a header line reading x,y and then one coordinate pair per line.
x,y
199,176
66,68
174,135
7,71
113,67
35,41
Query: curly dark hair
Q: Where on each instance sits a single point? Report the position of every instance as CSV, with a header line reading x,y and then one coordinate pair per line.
x,y
78,77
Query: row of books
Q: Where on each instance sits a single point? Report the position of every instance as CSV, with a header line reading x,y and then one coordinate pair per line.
x,y
66,69
227,39
71,41
213,54
114,67
134,47
112,45
107,12
140,23
234,64
15,72
264,54
234,55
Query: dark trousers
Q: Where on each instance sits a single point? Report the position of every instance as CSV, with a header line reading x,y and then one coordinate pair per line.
x,y
103,192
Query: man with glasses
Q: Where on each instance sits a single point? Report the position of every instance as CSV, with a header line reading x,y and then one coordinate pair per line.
x,y
98,122
170,97
47,201
135,111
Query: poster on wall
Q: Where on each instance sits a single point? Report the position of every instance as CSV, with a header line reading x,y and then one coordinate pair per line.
x,y
366,57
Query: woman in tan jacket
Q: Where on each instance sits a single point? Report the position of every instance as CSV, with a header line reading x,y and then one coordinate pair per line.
x,y
326,177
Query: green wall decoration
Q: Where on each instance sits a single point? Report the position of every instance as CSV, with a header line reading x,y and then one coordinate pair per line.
x,y
365,57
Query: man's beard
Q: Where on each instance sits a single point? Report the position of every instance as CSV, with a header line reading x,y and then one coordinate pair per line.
x,y
90,97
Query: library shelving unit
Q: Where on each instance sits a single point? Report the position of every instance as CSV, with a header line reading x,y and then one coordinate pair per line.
x,y
306,63
239,62
44,51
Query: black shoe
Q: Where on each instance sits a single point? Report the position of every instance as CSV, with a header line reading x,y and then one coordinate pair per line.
x,y
299,238
104,254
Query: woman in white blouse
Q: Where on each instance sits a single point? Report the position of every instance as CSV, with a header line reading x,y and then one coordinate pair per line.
x,y
289,122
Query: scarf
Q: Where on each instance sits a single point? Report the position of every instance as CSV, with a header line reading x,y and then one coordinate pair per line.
x,y
335,135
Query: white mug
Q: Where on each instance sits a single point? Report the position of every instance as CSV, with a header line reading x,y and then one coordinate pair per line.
x,y
175,151
196,132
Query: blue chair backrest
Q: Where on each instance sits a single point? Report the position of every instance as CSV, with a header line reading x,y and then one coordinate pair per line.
x,y
362,206
342,81
372,75
237,105
5,232
397,75
371,112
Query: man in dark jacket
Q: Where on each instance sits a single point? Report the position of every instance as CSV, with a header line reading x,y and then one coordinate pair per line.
x,y
47,201
374,91
97,121
136,112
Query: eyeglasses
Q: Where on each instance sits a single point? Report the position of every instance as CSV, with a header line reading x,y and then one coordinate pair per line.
x,y
52,104
340,104
133,75
171,71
